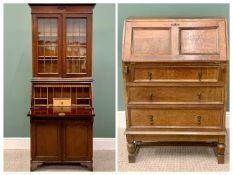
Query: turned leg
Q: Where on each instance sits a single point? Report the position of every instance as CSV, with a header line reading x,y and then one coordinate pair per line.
x,y
220,152
131,152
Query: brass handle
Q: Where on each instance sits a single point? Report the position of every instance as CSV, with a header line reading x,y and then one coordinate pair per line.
x,y
151,119
149,75
199,94
151,96
175,24
199,120
199,76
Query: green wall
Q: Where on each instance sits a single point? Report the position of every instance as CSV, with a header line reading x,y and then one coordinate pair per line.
x,y
125,10
17,69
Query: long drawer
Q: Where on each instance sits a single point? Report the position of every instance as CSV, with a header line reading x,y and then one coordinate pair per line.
x,y
151,94
176,74
175,118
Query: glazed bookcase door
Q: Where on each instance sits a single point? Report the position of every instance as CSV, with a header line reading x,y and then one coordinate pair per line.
x,y
46,46
76,46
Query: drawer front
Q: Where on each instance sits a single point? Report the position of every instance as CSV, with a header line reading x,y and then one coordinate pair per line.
x,y
176,74
175,117
175,94
61,102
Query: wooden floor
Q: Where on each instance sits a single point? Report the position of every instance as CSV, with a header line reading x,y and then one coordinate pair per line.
x,y
19,160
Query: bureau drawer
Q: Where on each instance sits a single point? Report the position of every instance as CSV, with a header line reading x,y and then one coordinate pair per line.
x,y
176,74
175,117
153,94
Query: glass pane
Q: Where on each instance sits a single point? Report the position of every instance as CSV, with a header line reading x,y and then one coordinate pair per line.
x,y
47,66
76,45
47,46
75,65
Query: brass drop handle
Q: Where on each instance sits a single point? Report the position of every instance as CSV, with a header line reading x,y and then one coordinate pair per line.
x,y
151,96
151,118
175,24
199,94
149,75
199,118
199,76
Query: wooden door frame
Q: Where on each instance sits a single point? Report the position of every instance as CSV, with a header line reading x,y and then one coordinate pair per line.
x,y
88,124
88,44
33,124
35,44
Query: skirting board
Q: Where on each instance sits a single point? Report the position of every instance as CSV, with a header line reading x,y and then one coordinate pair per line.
x,y
122,122
24,143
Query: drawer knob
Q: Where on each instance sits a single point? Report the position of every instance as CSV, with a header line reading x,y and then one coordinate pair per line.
x,y
199,118
149,75
199,94
199,76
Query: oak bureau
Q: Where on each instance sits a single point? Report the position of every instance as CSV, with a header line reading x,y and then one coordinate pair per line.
x,y
175,72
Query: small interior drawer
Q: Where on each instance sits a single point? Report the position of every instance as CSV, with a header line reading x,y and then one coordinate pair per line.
x,y
61,102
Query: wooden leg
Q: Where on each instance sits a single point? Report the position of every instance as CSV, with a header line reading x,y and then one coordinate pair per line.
x,y
89,165
131,147
220,153
35,165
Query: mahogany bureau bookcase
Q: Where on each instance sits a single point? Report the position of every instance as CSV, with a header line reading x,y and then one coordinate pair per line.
x,y
61,113
175,73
